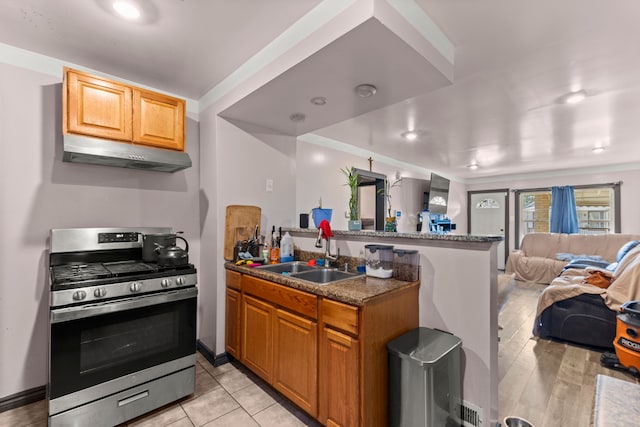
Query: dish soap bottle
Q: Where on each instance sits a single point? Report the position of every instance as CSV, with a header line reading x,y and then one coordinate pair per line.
x,y
286,248
361,262
274,252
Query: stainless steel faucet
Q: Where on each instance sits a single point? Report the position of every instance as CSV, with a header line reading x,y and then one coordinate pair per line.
x,y
328,257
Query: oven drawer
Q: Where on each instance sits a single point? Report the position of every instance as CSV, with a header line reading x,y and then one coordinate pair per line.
x,y
130,403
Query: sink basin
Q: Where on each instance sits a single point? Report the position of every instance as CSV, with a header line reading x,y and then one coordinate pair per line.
x,y
287,267
325,276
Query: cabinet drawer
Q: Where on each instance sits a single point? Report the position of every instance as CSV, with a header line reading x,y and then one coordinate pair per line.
x,y
233,279
340,316
293,299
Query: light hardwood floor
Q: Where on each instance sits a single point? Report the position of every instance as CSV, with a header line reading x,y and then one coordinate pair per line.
x,y
546,382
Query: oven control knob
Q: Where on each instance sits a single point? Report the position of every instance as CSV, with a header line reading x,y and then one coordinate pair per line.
x,y
180,281
165,283
100,293
79,295
135,287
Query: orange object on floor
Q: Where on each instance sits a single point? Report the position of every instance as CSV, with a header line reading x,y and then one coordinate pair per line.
x,y
627,341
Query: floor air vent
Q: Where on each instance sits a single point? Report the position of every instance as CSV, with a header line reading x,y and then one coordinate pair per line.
x,y
469,414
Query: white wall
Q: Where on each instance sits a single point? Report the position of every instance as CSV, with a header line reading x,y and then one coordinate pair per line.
x,y
318,175
39,192
235,167
629,200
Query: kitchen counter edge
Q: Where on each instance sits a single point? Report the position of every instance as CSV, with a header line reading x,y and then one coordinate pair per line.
x,y
356,291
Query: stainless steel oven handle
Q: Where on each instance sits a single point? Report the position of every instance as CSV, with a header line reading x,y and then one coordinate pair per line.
x,y
90,310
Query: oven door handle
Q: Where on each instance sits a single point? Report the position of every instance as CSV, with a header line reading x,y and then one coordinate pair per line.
x,y
106,307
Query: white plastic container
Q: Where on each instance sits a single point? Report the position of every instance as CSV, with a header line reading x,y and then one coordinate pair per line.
x,y
379,261
286,248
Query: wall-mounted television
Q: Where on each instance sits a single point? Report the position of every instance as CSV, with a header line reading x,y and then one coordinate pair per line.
x,y
438,195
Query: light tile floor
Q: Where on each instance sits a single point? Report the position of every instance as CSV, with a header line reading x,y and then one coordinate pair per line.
x,y
227,395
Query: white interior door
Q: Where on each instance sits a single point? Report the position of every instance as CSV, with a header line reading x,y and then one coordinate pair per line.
x,y
488,216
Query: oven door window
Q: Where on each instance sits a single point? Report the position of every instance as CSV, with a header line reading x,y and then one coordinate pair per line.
x,y
90,351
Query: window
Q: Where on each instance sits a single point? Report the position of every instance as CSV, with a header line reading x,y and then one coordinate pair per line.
x,y
597,208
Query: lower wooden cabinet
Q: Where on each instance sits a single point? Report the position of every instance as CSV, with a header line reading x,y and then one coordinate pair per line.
x,y
232,324
327,357
295,358
339,379
257,336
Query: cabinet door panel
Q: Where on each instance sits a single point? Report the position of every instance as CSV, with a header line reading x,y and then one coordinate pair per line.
x,y
339,379
158,120
257,338
296,360
97,107
232,323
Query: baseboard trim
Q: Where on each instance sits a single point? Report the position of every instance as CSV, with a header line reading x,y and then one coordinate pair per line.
x,y
215,360
23,398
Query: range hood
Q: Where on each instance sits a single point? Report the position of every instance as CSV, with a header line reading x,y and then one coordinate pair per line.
x,y
95,151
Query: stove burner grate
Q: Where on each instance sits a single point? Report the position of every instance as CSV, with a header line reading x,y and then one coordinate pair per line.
x,y
79,272
123,268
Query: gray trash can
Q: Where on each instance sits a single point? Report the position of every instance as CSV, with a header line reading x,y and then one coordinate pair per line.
x,y
424,379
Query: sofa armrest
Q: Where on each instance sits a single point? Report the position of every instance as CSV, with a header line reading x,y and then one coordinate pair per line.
x,y
586,263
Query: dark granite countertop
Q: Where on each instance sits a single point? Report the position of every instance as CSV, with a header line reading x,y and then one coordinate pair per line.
x,y
354,291
372,234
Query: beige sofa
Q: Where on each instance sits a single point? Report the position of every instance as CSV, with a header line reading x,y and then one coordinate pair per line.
x,y
536,260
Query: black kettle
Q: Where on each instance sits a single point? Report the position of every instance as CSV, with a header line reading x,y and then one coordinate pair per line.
x,y
173,255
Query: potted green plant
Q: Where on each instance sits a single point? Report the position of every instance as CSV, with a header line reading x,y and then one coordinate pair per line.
x,y
390,223
318,214
352,181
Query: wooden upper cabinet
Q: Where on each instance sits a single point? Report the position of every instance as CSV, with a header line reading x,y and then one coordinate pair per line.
x,y
158,120
104,108
97,107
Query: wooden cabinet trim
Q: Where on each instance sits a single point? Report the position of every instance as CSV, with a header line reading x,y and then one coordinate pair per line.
x,y
233,280
158,120
339,315
297,301
233,328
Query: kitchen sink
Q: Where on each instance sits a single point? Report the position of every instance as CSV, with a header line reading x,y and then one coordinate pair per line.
x,y
325,276
287,267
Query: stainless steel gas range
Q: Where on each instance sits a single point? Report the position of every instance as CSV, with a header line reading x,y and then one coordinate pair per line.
x,y
122,336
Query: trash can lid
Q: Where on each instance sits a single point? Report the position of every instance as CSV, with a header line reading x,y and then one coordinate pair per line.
x,y
424,345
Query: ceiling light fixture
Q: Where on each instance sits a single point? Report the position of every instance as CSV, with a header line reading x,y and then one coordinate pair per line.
x,y
573,97
473,166
126,9
318,100
412,135
366,90
597,150
297,117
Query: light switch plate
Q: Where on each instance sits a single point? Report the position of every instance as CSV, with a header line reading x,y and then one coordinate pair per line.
x,y
269,185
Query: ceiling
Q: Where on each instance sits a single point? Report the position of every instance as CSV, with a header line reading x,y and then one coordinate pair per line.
x,y
513,60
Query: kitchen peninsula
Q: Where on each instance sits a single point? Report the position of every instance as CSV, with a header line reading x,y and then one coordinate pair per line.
x,y
458,294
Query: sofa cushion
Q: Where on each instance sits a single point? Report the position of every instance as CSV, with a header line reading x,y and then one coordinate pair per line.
x,y
626,248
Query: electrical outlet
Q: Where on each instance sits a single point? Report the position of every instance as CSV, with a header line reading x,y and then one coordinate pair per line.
x,y
269,185
346,214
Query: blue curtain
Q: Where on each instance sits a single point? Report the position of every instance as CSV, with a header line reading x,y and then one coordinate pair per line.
x,y
564,218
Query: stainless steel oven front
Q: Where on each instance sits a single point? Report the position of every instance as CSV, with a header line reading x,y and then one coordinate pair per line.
x,y
116,359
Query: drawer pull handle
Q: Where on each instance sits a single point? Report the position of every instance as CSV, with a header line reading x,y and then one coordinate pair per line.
x,y
133,398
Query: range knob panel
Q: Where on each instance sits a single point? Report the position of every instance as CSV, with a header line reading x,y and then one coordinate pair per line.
x,y
135,287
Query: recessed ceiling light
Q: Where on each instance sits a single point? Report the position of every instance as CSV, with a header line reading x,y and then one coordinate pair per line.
x,y
412,135
573,97
365,90
297,117
473,166
126,9
597,150
318,100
